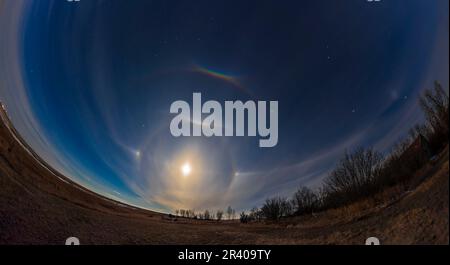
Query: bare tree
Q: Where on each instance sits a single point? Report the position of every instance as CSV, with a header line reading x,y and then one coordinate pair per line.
x,y
275,208
244,218
219,215
255,214
434,103
305,201
229,212
192,213
355,175
206,215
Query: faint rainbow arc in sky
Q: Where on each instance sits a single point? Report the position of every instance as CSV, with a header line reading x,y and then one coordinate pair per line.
x,y
233,80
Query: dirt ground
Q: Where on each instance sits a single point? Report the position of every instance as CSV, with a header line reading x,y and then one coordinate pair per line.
x,y
37,207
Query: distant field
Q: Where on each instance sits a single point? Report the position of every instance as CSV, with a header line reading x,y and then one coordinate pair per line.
x,y
37,207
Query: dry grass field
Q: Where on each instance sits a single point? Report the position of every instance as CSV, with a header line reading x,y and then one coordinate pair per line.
x,y
38,206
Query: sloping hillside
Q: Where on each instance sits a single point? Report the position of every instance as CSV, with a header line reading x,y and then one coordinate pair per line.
x,y
39,206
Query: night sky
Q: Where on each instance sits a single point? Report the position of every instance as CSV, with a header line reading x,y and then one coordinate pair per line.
x,y
89,85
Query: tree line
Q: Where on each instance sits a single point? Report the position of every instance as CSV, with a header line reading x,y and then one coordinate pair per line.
x,y
365,171
358,174
218,215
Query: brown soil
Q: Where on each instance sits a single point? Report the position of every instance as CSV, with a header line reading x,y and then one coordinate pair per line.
x,y
37,207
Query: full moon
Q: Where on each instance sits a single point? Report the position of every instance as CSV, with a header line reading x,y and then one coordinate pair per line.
x,y
186,169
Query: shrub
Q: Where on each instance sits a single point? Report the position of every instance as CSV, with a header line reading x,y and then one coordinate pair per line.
x,y
244,218
355,176
305,201
275,208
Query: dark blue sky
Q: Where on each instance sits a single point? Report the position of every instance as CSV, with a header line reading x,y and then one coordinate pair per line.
x,y
99,78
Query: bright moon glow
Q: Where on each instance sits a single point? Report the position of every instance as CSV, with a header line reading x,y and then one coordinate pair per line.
x,y
186,169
